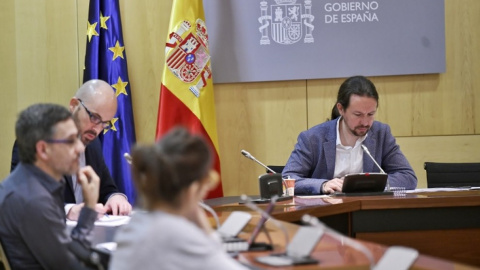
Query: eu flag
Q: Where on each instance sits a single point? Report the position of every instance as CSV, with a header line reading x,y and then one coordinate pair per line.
x,y
106,59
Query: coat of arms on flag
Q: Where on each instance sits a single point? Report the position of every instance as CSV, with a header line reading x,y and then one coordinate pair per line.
x,y
285,21
186,95
187,58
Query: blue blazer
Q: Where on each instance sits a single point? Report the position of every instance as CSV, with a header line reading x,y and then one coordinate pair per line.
x,y
94,158
312,161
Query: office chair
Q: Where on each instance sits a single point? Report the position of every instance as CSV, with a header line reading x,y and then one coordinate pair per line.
x,y
452,174
276,168
4,264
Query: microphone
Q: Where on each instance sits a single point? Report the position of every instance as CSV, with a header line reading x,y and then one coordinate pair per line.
x,y
265,215
365,149
212,212
313,221
128,158
248,155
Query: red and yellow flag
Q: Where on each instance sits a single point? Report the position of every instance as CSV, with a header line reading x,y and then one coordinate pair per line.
x,y
186,95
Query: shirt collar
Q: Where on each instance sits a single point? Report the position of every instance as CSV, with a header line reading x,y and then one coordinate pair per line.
x,y
48,182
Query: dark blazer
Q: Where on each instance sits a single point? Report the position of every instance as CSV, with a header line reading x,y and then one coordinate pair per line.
x,y
94,158
312,161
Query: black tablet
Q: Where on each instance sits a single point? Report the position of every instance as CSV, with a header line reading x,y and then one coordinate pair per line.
x,y
364,183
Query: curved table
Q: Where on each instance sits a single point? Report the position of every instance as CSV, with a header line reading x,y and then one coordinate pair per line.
x,y
440,224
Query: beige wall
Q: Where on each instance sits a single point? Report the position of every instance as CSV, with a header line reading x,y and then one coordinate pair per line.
x,y
434,117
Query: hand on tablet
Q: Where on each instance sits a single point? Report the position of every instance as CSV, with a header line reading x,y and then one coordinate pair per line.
x,y
332,186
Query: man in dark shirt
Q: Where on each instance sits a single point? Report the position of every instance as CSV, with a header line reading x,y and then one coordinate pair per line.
x,y
92,108
32,220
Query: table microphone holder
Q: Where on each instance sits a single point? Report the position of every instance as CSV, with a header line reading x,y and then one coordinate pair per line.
x,y
270,184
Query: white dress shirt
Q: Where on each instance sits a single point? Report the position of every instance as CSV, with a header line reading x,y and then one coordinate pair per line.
x,y
348,159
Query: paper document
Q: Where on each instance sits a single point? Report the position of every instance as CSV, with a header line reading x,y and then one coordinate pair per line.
x,y
313,197
422,190
112,246
418,190
106,220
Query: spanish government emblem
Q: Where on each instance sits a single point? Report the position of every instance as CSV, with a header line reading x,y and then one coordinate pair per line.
x,y
286,21
187,55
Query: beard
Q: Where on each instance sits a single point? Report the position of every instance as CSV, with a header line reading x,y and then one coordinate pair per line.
x,y
86,139
360,133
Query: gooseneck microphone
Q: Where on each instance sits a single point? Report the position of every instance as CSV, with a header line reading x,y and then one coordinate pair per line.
x,y
365,149
248,155
313,221
265,215
211,211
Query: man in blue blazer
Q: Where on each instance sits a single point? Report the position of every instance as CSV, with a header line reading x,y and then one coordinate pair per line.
x,y
327,152
92,108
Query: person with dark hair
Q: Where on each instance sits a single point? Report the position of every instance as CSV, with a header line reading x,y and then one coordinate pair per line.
x,y
327,152
32,220
92,108
171,177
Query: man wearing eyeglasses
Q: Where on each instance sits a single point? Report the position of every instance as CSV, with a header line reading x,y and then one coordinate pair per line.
x,y
92,108
32,220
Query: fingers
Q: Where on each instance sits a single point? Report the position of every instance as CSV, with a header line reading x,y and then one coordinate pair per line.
x,y
333,185
118,205
87,175
214,179
114,209
99,208
126,209
74,212
120,209
90,182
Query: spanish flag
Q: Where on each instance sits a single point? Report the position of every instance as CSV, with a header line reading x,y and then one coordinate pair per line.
x,y
186,95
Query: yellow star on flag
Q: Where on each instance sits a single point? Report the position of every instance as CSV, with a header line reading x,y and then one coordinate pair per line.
x,y
117,51
113,121
103,21
91,30
120,86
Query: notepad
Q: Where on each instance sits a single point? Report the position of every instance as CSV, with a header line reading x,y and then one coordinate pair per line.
x,y
106,220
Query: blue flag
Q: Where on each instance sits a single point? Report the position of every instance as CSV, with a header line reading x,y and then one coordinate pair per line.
x,y
106,59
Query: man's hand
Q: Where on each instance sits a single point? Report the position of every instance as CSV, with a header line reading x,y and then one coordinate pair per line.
x,y
332,185
90,183
118,205
74,212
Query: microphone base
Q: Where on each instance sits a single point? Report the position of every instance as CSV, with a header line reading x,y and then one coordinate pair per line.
x,y
267,200
260,247
284,198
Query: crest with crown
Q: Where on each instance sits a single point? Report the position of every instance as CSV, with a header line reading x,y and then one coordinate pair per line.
x,y
286,21
285,2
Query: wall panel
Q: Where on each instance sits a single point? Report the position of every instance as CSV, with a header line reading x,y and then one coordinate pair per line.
x,y
40,49
145,28
8,74
262,118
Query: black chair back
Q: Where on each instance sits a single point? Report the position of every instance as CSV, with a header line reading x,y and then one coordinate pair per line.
x,y
276,168
452,174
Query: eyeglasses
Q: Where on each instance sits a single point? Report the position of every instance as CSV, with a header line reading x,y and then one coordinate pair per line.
x,y
95,118
64,141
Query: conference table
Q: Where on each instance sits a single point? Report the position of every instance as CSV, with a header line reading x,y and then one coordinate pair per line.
x,y
443,224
